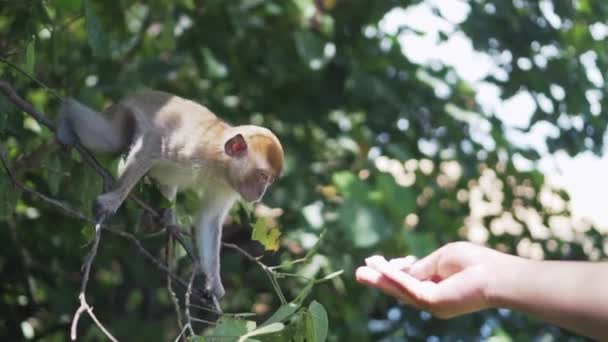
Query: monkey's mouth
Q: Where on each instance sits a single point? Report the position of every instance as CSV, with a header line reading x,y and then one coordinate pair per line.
x,y
252,193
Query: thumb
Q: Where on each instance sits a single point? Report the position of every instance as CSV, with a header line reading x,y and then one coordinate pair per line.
x,y
426,267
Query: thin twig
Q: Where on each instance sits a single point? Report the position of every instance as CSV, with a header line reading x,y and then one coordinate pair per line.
x,y
144,205
205,308
270,273
188,293
174,299
195,319
176,232
200,294
183,330
307,257
84,306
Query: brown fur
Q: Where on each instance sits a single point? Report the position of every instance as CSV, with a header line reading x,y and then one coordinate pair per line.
x,y
272,151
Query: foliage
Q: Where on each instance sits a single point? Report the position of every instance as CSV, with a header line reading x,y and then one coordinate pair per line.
x,y
377,157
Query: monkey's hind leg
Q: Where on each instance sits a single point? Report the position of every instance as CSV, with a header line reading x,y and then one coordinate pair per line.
x,y
79,123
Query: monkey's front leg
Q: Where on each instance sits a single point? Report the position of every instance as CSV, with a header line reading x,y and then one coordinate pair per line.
x,y
141,158
209,237
209,242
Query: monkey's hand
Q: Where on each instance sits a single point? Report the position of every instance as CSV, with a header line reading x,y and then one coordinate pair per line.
x,y
105,206
215,287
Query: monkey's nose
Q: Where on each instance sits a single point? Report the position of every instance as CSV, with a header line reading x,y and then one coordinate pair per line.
x,y
263,177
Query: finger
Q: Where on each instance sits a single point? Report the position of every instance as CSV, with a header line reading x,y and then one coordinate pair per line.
x,y
369,276
426,267
413,288
461,293
403,263
374,257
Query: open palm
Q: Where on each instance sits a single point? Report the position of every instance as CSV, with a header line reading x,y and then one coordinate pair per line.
x,y
451,281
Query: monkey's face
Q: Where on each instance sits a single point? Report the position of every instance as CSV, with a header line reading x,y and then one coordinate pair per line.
x,y
257,160
254,185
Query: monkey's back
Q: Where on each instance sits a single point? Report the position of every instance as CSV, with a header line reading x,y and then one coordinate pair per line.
x,y
165,110
186,131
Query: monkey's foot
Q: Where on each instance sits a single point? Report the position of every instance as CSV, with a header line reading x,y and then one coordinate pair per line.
x,y
216,291
166,218
105,206
215,287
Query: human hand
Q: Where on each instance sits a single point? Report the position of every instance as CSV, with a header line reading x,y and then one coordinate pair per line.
x,y
453,280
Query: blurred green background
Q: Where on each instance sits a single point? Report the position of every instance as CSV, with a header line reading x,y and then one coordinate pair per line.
x,y
406,125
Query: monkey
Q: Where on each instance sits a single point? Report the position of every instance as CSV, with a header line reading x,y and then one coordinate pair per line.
x,y
180,144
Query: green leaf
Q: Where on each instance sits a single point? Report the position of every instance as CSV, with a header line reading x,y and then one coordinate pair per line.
x,y
230,329
264,330
299,327
282,314
316,323
329,276
30,57
266,235
97,38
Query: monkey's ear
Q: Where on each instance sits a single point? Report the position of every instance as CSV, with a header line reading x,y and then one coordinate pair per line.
x,y
236,146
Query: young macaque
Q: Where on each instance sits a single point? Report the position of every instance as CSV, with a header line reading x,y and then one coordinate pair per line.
x,y
181,145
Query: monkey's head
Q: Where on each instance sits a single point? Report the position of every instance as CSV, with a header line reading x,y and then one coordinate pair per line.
x,y
256,160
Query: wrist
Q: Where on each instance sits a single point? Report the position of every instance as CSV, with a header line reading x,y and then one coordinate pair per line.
x,y
506,274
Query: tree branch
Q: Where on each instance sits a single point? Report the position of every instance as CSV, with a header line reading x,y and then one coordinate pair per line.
x,y
12,95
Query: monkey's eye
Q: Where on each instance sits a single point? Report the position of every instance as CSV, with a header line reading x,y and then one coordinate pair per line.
x,y
264,177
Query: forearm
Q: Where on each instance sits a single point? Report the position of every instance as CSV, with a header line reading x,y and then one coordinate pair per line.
x,y
573,295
